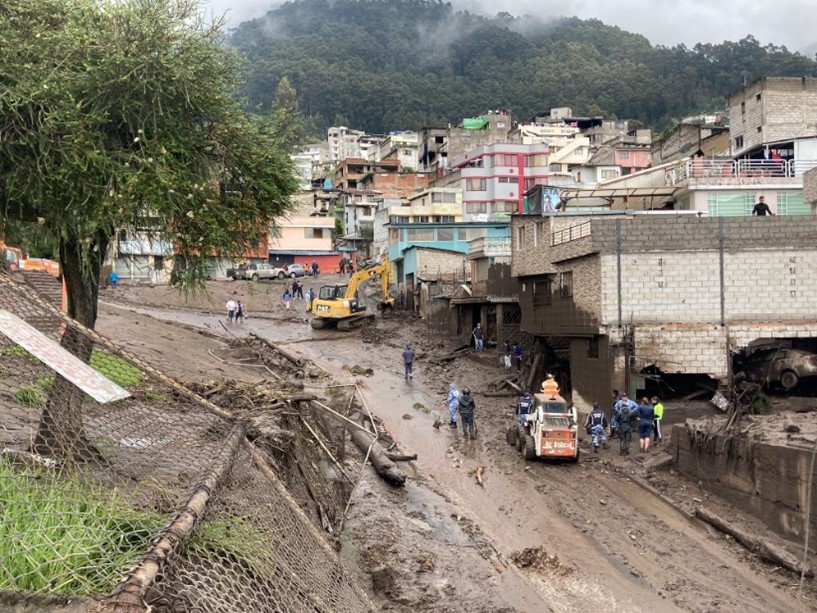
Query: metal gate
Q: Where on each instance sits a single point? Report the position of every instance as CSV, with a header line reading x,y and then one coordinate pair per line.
x,y
440,318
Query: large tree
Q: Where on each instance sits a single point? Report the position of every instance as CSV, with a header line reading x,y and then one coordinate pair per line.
x,y
117,114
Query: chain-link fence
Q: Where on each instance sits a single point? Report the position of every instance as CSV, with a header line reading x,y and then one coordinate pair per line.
x,y
155,501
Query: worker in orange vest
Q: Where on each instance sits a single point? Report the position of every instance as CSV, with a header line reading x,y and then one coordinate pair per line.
x,y
550,387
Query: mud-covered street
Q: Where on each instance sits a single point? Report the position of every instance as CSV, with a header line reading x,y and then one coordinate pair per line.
x,y
606,534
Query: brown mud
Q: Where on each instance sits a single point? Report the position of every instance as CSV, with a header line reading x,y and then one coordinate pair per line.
x,y
605,534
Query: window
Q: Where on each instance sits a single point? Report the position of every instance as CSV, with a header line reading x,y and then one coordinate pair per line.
x,y
623,154
448,197
743,107
520,238
394,236
275,232
736,204
505,160
313,232
421,234
505,206
514,180
738,142
757,97
542,292
529,183
421,219
444,219
593,348
445,234
565,284
476,208
472,233
475,185
609,174
462,234
790,203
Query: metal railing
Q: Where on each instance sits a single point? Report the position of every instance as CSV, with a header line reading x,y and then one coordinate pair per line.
x,y
736,169
570,234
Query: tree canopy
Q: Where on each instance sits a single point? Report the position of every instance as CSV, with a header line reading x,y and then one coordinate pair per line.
x,y
125,114
401,64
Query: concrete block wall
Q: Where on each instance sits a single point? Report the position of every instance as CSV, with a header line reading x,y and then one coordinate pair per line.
x,y
682,349
810,187
537,257
430,263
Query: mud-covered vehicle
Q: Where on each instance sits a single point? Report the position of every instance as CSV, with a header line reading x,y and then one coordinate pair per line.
x,y
545,427
255,272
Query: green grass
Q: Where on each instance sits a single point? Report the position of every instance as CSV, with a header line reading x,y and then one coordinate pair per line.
x,y
116,369
64,537
18,352
30,395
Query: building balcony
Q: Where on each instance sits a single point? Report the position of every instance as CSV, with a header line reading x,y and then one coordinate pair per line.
x,y
485,247
709,172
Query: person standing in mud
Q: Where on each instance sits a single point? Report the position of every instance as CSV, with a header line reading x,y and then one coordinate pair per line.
x,y
517,356
479,338
646,416
658,409
506,358
408,362
466,406
239,312
231,307
453,402
625,419
614,414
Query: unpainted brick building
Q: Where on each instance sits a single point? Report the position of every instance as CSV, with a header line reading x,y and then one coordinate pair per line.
x,y
666,293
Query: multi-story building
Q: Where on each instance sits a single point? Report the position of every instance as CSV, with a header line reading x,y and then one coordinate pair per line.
x,y
494,178
309,160
401,146
350,172
687,138
343,143
475,132
774,113
432,153
669,298
303,238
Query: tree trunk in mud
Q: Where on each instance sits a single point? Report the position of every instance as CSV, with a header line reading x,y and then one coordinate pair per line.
x,y
384,466
60,433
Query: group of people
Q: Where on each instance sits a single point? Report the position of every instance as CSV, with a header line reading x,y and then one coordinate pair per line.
x,y
236,311
626,415
512,354
461,403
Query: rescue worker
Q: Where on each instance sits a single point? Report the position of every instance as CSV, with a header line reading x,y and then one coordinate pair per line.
x,y
523,407
453,402
646,416
596,426
550,387
625,428
658,409
408,362
466,408
624,400
613,417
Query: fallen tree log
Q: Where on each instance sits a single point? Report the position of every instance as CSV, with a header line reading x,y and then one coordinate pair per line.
x,y
499,394
513,385
298,361
384,466
533,370
763,547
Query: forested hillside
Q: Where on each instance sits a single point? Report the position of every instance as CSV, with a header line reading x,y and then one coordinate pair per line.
x,y
381,65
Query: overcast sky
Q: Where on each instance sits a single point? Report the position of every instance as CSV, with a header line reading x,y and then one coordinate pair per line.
x,y
666,22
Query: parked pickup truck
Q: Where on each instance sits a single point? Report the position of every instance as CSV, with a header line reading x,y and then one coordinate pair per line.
x,y
254,272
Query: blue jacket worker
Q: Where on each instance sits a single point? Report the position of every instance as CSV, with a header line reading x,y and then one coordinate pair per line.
x,y
453,402
596,426
408,361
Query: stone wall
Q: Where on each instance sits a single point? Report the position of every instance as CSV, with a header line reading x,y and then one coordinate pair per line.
x,y
767,480
810,187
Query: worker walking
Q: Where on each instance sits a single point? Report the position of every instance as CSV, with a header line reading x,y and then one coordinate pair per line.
x,y
625,419
658,409
453,403
408,362
466,406
479,338
596,426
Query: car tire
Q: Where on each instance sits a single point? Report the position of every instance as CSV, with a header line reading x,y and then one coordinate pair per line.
x,y
789,379
281,275
292,275
254,277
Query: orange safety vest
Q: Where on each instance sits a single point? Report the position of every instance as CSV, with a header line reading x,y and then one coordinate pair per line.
x,y
550,387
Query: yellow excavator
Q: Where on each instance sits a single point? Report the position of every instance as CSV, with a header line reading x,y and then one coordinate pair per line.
x,y
344,306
